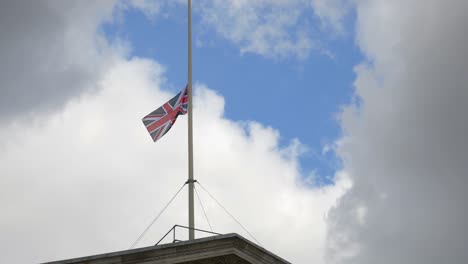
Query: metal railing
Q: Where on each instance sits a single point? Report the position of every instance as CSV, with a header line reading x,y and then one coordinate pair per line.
x,y
173,230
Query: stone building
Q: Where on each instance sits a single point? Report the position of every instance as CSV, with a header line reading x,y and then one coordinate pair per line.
x,y
221,249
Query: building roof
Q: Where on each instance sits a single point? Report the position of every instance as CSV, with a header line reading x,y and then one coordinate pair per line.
x,y
229,248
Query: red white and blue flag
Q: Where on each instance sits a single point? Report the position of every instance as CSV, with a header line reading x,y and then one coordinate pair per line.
x,y
161,120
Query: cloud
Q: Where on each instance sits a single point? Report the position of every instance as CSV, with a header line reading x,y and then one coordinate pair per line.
x,y
268,28
50,51
150,8
273,29
89,178
331,13
405,144
85,178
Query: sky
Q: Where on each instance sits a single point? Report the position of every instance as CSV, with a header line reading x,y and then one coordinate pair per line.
x,y
333,130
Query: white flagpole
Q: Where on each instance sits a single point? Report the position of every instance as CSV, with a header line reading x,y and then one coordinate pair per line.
x,y
190,133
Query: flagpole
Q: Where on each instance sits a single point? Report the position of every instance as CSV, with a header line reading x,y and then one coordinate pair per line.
x,y
190,125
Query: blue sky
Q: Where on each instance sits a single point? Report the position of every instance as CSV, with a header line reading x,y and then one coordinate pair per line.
x,y
299,97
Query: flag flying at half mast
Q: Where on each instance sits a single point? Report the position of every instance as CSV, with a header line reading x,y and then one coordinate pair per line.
x,y
161,120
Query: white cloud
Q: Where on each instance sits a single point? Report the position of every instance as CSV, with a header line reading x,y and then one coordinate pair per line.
x,y
274,29
86,178
331,13
268,28
405,146
150,8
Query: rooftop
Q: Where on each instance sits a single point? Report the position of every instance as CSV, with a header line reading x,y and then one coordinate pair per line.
x,y
229,248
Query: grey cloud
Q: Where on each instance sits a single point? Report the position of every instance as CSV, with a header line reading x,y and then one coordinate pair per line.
x,y
405,146
44,59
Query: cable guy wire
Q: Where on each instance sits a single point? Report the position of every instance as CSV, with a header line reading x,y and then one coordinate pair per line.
x,y
156,218
203,208
233,218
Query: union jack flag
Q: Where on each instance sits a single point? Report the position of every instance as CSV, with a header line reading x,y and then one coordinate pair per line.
x,y
161,120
